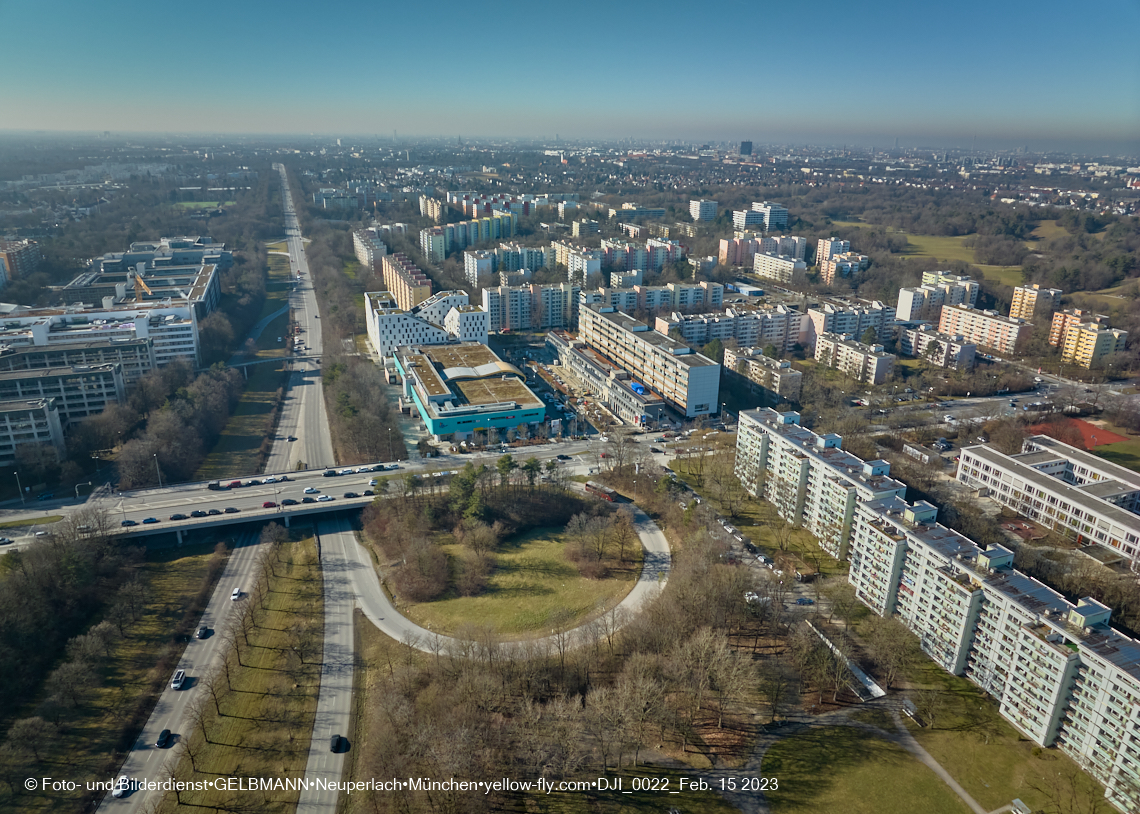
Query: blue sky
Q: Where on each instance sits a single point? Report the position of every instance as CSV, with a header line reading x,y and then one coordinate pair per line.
x,y
1011,73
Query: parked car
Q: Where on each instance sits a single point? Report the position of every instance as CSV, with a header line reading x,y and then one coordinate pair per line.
x,y
803,600
46,496
330,473
347,471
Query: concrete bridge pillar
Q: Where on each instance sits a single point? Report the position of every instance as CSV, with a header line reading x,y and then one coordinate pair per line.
x,y
178,534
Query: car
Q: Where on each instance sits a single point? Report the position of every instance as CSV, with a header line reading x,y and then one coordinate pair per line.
x,y
197,513
41,534
379,468
291,438
254,482
373,481
269,504
46,496
1038,379
330,473
947,418
122,786
283,479
360,470
270,480
178,516
214,512
178,680
604,455
334,743
564,457
231,510
311,490
6,541
288,502
150,520
347,471
803,600
658,450
236,595
201,632
127,523
308,500
368,493
235,484
350,495
163,739
324,498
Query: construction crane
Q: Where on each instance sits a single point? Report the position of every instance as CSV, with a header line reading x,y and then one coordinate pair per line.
x,y
140,287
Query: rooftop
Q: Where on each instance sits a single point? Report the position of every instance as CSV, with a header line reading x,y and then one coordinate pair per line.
x,y
55,372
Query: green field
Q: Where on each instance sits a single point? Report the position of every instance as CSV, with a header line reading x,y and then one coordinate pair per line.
x,y
277,286
846,769
237,450
1123,453
36,521
203,204
532,580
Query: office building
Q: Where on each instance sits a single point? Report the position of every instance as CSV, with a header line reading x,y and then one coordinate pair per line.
x,y
35,422
135,357
775,217
478,263
369,248
941,350
702,210
164,253
863,363
621,392
1062,320
1088,343
778,268
851,319
405,281
842,265
1027,298
78,392
828,247
686,380
442,318
809,478
583,228
460,389
746,148
773,379
18,258
531,307
987,329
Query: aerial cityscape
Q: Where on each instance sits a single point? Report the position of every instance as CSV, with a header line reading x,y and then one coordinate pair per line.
x,y
699,443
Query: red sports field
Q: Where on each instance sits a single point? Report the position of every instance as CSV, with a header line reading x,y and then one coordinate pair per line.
x,y
1091,434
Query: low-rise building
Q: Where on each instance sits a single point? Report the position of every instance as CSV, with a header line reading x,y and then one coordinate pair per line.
x,y
987,329
632,211
775,379
864,363
939,349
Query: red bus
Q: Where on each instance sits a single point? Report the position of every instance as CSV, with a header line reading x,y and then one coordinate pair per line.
x,y
604,492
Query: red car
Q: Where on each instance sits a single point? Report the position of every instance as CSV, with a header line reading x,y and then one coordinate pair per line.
x,y
269,504
235,484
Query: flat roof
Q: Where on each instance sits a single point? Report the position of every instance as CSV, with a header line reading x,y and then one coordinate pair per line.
x,y
465,354
495,390
52,372
470,371
1088,459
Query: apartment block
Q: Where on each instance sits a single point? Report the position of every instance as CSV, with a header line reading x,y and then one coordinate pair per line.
x,y
744,218
700,329
950,278
987,329
775,379
842,265
828,247
926,301
942,350
369,248
1088,343
79,392
442,318
809,478
478,263
405,280
702,210
852,319
18,258
582,228
531,307
626,279
622,392
1062,320
661,252
632,210
580,263
686,380
432,208
781,269
520,277
1026,298
439,241
516,257
775,216
624,255
35,422
864,363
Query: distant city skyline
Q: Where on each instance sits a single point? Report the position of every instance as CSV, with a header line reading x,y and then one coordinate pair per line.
x,y
823,72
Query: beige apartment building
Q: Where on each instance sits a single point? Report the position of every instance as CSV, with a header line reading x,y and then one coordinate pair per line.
x,y
988,329
405,281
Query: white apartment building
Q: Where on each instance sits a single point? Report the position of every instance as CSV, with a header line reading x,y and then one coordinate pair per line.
x,y
580,263
516,257
476,264
809,478
828,247
842,317
775,217
939,349
660,252
745,218
842,265
864,363
699,329
950,278
774,378
702,210
623,299
926,301
531,307
1065,489
779,268
369,247
626,279
688,381
444,317
988,329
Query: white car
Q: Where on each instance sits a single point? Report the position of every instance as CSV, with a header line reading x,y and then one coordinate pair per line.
x,y
310,490
324,499
236,595
347,471
948,418
122,786
270,480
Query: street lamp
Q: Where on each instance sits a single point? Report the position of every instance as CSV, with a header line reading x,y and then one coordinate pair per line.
x,y
157,470
20,487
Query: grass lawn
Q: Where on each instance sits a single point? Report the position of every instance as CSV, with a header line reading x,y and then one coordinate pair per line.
x,y
267,345
38,521
1122,453
531,580
88,744
237,450
267,717
845,769
277,286
203,204
1046,230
